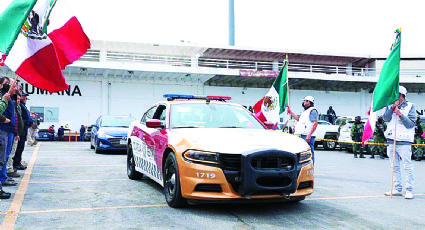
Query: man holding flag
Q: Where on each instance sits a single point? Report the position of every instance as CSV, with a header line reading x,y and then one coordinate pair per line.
x,y
400,135
307,122
401,115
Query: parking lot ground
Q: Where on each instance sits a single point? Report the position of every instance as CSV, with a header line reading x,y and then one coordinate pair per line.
x,y
68,186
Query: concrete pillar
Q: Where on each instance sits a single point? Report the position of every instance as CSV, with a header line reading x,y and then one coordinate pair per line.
x,y
105,94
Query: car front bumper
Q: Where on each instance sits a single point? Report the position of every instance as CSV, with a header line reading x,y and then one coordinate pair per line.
x,y
202,182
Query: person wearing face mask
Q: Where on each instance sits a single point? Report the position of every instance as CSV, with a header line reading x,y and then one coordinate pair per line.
x,y
400,135
307,121
6,130
356,136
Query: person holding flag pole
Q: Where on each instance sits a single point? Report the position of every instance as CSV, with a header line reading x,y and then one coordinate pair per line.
x,y
401,115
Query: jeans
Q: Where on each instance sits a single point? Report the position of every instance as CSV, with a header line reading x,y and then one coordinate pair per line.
x,y
311,143
3,173
403,153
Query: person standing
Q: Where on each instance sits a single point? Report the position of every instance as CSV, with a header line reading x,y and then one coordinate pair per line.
x,y
82,131
331,115
356,136
33,130
419,129
61,132
379,138
28,121
307,122
51,130
400,135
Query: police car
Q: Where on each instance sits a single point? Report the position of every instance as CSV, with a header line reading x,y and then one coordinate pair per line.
x,y
205,149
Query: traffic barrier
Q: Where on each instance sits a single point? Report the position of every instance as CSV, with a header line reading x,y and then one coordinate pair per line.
x,y
357,142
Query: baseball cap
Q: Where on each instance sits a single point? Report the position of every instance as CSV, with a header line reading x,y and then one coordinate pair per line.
x,y
308,98
402,90
25,94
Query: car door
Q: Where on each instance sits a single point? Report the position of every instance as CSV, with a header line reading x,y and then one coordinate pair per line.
x,y
143,145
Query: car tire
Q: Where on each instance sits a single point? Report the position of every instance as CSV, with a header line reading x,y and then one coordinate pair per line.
x,y
172,188
329,145
96,147
131,165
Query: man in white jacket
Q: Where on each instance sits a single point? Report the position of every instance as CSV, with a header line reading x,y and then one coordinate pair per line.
x,y
400,134
307,122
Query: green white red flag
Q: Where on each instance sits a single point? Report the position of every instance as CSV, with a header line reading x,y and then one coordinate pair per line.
x,y
39,58
386,89
276,99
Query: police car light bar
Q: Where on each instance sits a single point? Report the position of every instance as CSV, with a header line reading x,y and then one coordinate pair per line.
x,y
171,97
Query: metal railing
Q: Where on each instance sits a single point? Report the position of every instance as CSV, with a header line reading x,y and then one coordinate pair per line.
x,y
95,55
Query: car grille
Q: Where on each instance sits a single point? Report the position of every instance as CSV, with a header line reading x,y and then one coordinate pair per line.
x,y
272,163
208,188
230,161
115,141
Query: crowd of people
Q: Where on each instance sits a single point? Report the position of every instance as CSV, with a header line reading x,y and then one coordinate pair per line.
x,y
15,123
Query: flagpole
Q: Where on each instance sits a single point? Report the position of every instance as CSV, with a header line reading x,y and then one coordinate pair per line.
x,y
392,165
287,80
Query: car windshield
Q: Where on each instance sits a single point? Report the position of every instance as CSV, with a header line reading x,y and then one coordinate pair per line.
x,y
116,121
210,115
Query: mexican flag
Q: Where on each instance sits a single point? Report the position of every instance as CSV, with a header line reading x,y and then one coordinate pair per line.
x,y
276,99
39,58
13,14
386,89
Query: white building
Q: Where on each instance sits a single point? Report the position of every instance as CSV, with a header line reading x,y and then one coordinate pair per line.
x,y
124,78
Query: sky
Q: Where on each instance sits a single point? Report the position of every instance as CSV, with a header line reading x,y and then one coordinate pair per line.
x,y
355,28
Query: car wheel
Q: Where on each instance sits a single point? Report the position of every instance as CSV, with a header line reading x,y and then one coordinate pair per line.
x,y
329,145
96,147
172,189
131,165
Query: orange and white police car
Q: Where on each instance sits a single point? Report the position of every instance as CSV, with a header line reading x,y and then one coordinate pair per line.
x,y
205,149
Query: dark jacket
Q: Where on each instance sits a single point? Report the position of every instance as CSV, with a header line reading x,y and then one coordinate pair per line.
x,y
9,113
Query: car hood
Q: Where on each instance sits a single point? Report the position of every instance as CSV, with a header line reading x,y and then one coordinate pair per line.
x,y
234,140
114,131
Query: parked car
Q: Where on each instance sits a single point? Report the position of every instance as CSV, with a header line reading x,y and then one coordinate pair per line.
x,y
44,135
326,130
110,133
204,149
87,134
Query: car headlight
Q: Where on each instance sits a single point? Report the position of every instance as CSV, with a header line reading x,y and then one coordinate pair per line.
x,y
104,135
304,156
201,157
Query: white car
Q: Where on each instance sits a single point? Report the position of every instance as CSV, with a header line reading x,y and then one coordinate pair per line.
x,y
326,130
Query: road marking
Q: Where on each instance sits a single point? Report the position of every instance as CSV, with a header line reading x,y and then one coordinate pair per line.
x,y
67,166
354,197
13,212
93,208
75,181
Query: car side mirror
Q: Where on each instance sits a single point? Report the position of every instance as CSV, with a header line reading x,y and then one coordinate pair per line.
x,y
154,123
269,125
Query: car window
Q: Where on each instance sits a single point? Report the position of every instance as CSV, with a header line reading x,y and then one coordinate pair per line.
x,y
209,115
148,115
116,121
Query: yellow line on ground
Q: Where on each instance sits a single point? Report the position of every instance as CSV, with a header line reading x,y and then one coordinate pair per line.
x,y
74,181
93,208
67,166
354,197
13,212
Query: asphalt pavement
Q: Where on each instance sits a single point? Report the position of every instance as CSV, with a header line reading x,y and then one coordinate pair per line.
x,y
68,186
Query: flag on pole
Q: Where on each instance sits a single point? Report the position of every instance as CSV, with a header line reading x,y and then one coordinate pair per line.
x,y
38,57
13,14
276,99
386,89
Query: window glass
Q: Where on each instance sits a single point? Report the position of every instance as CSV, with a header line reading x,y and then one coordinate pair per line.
x,y
210,115
116,121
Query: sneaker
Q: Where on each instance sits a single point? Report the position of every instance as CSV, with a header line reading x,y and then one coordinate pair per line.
x,y
408,195
395,193
9,183
14,174
4,195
